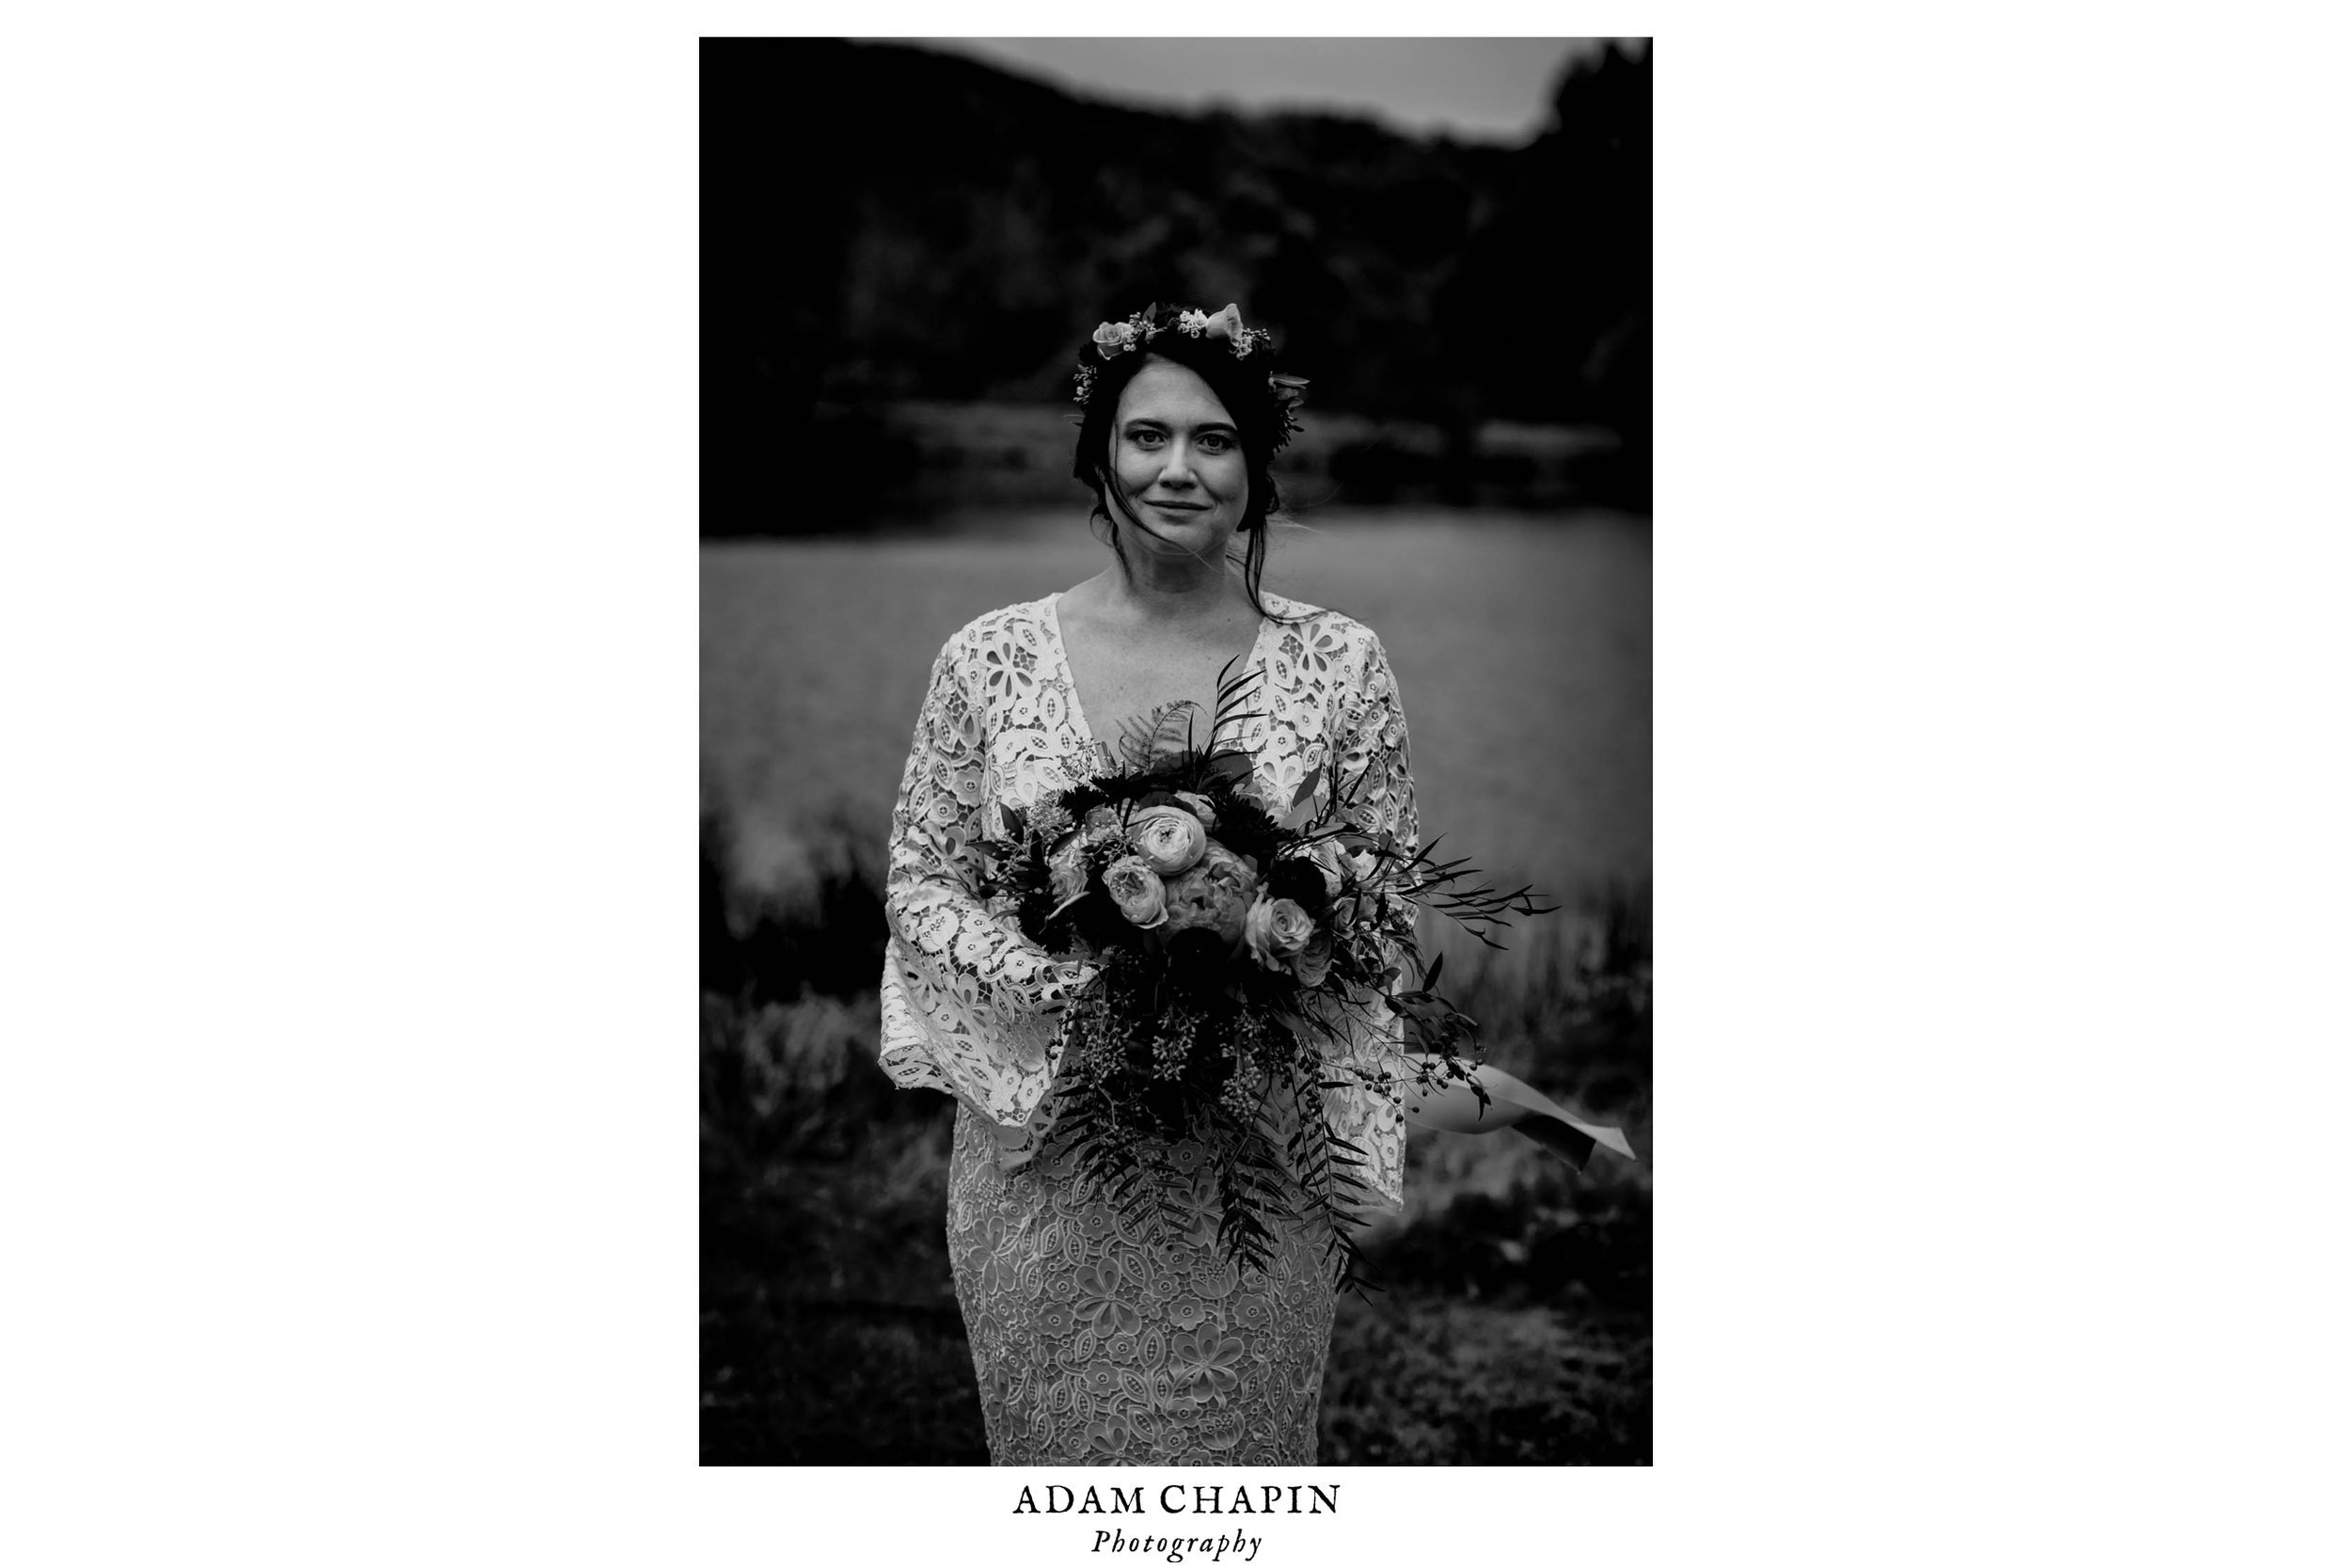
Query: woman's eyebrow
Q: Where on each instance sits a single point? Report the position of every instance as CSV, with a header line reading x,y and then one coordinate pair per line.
x,y
1141,420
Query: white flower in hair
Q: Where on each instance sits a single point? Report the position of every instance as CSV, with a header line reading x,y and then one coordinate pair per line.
x,y
1113,338
1227,324
1193,323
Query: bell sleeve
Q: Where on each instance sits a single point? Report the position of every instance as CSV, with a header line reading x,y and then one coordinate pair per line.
x,y
1375,777
969,1005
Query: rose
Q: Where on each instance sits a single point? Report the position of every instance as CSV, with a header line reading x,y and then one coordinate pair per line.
x,y
1198,805
1314,962
1170,838
1138,892
1275,929
1215,896
1114,338
1225,323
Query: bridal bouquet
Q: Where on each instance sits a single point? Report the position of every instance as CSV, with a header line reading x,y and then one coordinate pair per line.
x,y
1233,949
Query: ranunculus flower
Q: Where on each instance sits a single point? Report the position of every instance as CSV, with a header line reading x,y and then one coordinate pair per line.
x,y
1113,337
1170,839
1199,806
1275,929
1225,323
1215,896
1135,889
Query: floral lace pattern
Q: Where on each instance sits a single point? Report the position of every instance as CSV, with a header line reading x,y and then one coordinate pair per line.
x,y
1099,1343
1095,1345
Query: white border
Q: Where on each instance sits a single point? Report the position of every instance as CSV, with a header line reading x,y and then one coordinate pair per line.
x,y
350,405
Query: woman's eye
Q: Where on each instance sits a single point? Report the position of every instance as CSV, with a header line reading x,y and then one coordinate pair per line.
x,y
1145,438
1216,443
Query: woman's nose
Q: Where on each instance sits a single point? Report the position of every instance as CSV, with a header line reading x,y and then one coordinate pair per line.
x,y
1178,470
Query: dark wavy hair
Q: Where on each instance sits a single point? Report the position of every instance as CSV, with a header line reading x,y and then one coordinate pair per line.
x,y
1260,410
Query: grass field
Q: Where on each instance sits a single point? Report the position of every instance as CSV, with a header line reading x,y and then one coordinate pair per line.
x,y
1513,1329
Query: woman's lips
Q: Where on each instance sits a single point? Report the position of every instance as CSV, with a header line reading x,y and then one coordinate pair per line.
x,y
1177,506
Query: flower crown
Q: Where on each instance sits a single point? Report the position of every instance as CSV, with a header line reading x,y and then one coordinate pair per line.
x,y
1134,335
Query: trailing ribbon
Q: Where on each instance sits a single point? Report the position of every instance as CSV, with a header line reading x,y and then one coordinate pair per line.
x,y
1451,1106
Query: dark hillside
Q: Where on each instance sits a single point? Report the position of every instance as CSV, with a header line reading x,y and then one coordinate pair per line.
x,y
881,223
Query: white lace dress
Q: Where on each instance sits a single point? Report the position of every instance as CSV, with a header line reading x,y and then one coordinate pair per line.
x,y
1094,1342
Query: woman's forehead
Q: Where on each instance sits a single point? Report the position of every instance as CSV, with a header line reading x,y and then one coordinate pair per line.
x,y
1172,393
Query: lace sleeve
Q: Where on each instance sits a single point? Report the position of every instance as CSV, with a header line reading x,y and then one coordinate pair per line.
x,y
968,1003
1375,775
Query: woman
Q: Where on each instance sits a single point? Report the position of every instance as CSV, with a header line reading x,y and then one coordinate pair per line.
x,y
1096,1342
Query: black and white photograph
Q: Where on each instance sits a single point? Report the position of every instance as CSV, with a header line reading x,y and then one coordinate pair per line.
x,y
1175,617
1521,795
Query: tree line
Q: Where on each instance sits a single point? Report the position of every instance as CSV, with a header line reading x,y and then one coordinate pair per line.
x,y
883,223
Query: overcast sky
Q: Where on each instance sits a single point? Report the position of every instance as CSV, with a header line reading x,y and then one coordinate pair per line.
x,y
1486,89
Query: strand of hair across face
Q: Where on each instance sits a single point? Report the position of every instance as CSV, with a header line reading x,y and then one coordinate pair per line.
x,y
1119,496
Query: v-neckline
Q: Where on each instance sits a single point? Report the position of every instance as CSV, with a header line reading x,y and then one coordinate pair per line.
x,y
1069,674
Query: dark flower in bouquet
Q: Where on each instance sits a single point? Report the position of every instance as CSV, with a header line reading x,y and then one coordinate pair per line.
x,y
1235,954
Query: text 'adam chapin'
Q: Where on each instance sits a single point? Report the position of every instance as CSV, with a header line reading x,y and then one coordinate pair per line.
x,y
1177,1497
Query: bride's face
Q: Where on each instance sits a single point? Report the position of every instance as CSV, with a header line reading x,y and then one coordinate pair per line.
x,y
1177,458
